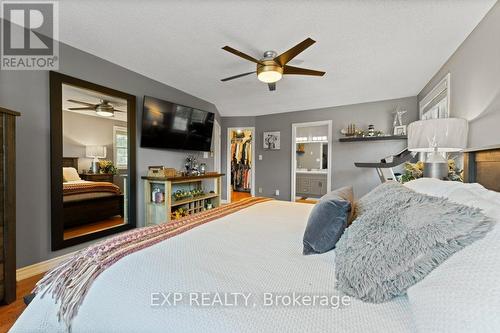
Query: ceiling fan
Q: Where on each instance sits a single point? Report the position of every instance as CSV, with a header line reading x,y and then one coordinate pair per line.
x,y
272,66
104,108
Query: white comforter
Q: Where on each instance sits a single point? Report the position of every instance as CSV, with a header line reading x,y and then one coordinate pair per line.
x,y
257,250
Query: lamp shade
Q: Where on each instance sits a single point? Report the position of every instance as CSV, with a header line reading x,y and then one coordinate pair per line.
x,y
442,135
95,151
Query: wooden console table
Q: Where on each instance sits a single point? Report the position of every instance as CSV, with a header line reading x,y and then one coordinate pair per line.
x,y
160,212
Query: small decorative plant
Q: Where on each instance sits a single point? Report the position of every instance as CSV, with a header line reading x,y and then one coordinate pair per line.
x,y
179,213
106,166
414,171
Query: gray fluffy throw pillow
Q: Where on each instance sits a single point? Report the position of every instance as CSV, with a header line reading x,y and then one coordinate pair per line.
x,y
400,236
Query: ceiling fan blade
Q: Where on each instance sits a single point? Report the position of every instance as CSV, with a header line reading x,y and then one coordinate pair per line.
x,y
272,86
84,103
237,76
285,57
86,108
301,71
241,54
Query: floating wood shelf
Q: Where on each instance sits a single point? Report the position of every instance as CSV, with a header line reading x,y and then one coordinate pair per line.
x,y
373,138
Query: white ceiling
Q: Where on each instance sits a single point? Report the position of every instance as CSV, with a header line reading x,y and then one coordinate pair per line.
x,y
93,97
371,50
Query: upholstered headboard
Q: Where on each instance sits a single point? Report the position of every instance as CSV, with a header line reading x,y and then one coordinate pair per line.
x,y
483,166
70,162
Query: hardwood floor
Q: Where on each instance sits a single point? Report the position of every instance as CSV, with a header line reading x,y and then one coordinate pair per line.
x,y
237,196
307,200
10,313
93,227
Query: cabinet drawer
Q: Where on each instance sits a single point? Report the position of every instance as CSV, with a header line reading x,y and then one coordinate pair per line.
x,y
97,177
304,182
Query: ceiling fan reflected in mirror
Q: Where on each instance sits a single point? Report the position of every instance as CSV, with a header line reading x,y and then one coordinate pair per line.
x,y
271,68
104,109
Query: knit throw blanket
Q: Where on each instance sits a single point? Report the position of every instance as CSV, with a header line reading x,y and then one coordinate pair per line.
x,y
70,281
89,187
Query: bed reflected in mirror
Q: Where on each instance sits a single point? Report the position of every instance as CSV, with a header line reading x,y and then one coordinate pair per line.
x,y
90,198
94,161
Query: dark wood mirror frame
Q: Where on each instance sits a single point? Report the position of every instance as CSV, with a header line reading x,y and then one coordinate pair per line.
x,y
56,152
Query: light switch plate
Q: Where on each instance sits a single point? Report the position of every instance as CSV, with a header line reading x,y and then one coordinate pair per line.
x,y
277,192
260,157
205,154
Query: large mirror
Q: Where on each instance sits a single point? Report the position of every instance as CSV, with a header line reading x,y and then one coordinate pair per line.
x,y
93,160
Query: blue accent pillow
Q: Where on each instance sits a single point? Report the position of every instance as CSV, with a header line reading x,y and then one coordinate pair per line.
x,y
327,223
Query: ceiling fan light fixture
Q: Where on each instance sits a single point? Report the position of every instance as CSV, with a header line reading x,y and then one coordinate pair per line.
x,y
270,72
269,76
105,109
105,113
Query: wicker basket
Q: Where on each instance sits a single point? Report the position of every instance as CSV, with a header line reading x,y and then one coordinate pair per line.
x,y
161,172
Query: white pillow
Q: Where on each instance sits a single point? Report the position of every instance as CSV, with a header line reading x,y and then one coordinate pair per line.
x,y
70,174
463,293
433,186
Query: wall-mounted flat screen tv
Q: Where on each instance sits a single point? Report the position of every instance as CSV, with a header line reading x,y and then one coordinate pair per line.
x,y
173,126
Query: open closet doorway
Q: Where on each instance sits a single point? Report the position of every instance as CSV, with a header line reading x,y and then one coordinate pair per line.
x,y
311,160
240,163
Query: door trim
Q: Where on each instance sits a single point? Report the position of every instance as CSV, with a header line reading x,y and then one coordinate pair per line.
x,y
217,147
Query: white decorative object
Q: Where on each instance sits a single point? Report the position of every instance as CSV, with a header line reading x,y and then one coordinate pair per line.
x,y
398,117
437,136
272,140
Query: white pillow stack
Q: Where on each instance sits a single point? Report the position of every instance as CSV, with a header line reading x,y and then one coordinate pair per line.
x,y
70,174
463,293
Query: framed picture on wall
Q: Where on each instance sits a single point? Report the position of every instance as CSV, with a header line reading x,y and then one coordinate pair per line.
x,y
400,130
272,140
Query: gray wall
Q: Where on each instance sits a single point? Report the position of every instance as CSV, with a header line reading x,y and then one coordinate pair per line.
x,y
81,130
475,81
274,171
28,92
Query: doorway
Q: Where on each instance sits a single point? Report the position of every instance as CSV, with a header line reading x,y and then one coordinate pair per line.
x,y
311,161
240,163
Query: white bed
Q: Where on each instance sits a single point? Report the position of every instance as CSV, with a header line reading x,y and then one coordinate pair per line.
x,y
259,250
256,250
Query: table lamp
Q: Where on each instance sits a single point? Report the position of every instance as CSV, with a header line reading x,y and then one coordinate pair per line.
x,y
437,136
95,152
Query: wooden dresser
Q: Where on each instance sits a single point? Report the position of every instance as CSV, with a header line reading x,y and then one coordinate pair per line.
x,y
7,205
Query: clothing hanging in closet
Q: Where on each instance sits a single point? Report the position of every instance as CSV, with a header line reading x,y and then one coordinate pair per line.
x,y
241,153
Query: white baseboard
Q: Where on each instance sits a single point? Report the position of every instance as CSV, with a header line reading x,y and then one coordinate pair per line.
x,y
41,267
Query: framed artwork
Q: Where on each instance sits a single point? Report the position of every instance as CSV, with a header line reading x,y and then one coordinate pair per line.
x,y
400,130
272,140
436,104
